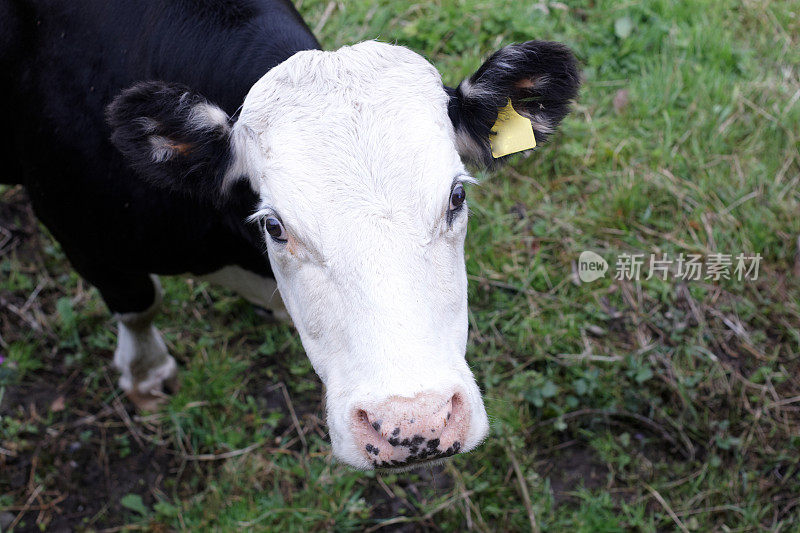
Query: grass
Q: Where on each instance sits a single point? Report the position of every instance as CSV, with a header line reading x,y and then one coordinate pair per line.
x,y
614,405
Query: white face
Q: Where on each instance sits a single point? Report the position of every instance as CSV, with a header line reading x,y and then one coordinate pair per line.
x,y
354,153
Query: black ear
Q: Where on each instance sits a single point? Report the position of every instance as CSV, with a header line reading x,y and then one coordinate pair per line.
x,y
173,137
541,78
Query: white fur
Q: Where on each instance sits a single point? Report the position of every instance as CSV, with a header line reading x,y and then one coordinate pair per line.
x,y
540,123
147,124
355,152
207,116
161,148
141,355
468,146
147,348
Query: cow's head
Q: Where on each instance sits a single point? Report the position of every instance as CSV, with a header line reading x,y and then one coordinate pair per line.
x,y
356,156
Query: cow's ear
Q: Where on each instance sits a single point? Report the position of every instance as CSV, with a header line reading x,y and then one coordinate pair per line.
x,y
173,137
540,78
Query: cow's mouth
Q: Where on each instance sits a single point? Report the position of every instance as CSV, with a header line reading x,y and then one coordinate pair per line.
x,y
429,455
409,466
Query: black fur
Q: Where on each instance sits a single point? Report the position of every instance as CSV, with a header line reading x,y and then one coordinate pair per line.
x,y
154,116
65,61
541,78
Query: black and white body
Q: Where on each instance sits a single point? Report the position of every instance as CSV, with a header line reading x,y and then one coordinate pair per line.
x,y
216,139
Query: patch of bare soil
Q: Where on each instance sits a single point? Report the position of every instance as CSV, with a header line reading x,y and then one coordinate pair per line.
x,y
59,467
67,456
573,468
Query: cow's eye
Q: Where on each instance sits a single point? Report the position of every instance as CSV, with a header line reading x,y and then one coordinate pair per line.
x,y
274,228
457,197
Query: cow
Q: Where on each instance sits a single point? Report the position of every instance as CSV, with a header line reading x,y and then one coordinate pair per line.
x,y
217,139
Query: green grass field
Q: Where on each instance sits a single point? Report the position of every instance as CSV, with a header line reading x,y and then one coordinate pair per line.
x,y
614,405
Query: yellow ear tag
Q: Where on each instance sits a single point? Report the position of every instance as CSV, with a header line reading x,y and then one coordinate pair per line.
x,y
512,133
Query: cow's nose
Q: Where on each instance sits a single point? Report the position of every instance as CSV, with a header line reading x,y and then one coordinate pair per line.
x,y
402,431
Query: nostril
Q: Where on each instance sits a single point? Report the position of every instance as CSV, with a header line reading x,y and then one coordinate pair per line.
x,y
457,409
363,420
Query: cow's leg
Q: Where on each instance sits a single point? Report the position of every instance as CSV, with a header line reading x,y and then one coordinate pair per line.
x,y
141,355
256,289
